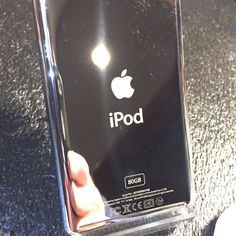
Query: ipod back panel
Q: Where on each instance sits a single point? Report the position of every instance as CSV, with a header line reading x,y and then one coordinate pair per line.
x,y
133,133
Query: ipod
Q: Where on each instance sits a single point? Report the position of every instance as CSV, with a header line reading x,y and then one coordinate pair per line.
x,y
114,85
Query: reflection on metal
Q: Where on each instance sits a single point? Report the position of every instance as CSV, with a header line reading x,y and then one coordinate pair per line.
x,y
101,56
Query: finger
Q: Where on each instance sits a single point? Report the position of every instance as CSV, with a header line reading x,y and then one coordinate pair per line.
x,y
86,200
72,216
78,168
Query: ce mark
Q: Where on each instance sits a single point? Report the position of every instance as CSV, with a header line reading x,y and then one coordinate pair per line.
x,y
137,206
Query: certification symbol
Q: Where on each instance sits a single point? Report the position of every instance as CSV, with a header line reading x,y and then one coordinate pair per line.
x,y
126,209
159,201
149,203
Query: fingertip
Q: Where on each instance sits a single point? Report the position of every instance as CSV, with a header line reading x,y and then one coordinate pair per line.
x,y
78,168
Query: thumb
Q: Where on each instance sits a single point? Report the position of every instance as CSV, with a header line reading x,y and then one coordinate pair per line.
x,y
78,168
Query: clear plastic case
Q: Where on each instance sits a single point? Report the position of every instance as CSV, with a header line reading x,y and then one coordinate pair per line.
x,y
130,171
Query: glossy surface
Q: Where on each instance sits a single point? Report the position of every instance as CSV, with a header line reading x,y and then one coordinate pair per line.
x,y
28,193
114,96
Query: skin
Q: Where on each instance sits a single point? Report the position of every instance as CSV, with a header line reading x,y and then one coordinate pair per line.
x,y
85,198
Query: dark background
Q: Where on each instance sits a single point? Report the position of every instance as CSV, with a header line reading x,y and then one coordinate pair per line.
x,y
29,202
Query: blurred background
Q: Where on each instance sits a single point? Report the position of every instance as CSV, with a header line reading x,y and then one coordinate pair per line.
x,y
29,203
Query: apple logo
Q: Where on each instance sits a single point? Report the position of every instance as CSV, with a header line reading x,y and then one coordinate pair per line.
x,y
121,87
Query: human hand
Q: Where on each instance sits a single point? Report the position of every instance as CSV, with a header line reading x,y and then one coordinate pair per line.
x,y
84,195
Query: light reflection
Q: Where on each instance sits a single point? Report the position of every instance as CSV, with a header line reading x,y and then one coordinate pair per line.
x,y
101,56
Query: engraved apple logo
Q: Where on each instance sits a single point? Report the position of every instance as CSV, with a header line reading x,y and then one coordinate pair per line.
x,y
121,86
